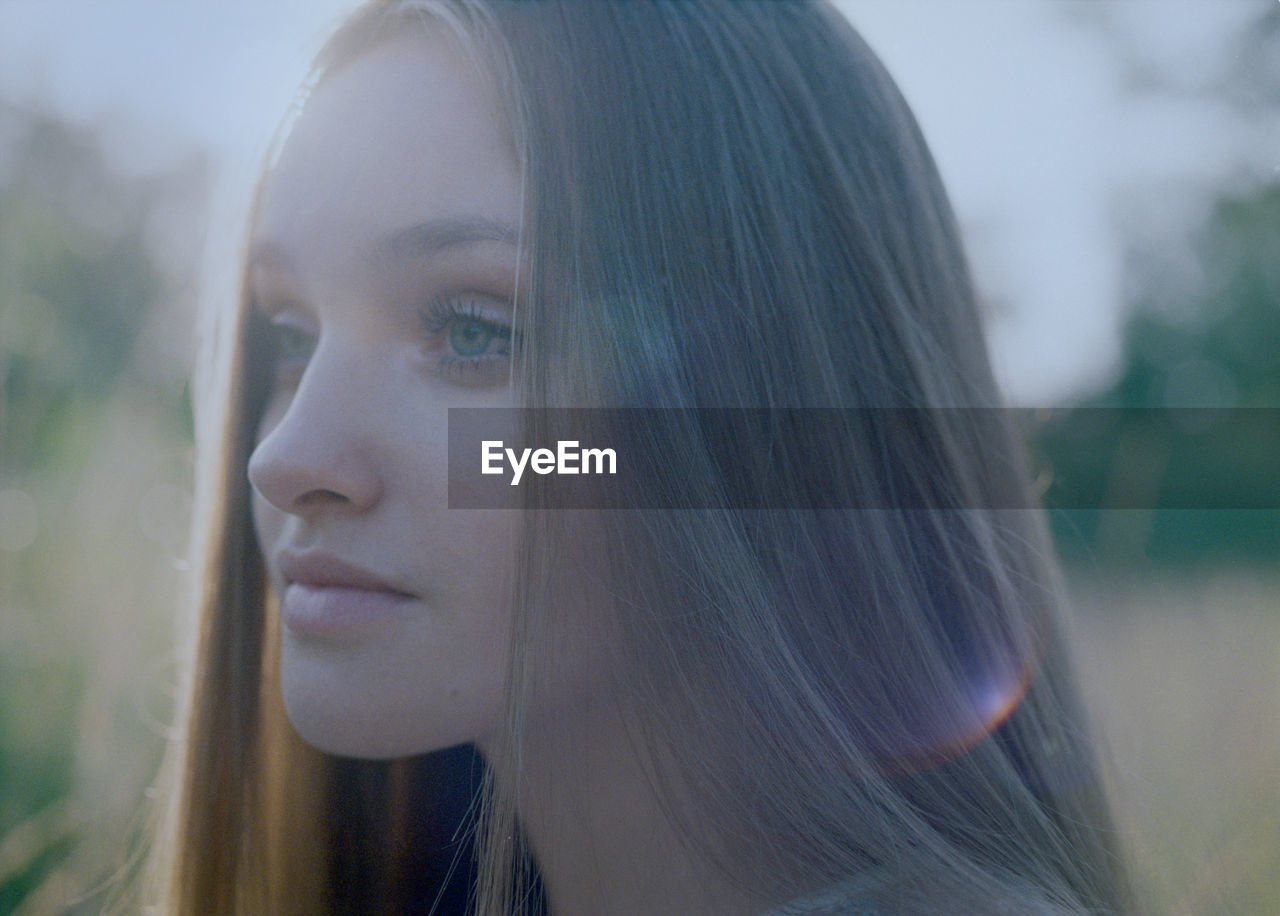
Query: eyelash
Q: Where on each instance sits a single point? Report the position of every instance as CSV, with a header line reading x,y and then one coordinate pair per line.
x,y
442,315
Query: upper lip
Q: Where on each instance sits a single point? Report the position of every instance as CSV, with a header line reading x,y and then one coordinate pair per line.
x,y
321,569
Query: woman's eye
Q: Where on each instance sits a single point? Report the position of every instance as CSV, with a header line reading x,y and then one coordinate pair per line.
x,y
470,337
293,344
291,347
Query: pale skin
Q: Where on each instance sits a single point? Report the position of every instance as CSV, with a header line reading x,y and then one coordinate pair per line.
x,y
386,256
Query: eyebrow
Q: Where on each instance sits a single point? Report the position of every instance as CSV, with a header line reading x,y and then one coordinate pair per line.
x,y
423,240
430,238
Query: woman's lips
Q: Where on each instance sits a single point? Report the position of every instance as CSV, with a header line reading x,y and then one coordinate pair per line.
x,y
337,611
327,597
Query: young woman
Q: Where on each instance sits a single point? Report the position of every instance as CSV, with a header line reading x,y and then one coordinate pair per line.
x,y
854,699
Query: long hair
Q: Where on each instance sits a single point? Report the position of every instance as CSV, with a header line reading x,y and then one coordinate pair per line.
x,y
727,205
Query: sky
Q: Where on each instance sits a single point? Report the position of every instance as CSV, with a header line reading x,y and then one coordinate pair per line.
x,y
1035,109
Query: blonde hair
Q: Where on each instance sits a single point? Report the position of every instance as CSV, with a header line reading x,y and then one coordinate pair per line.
x,y
766,230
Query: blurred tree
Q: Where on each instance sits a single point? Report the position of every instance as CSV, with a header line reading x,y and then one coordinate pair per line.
x,y
1252,80
76,281
1148,469
81,273
1186,441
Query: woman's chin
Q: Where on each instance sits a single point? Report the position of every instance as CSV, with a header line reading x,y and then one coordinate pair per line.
x,y
346,727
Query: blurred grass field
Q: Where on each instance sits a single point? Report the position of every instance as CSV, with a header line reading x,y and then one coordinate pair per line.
x,y
1181,670
86,668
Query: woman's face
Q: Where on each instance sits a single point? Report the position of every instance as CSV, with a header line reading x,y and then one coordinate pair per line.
x,y
385,260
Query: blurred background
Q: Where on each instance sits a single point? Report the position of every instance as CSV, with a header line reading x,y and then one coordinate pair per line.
x,y
1116,167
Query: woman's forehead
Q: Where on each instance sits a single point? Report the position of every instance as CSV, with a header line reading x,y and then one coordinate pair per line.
x,y
406,132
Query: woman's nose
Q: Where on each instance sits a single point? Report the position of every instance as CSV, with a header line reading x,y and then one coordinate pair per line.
x,y
316,451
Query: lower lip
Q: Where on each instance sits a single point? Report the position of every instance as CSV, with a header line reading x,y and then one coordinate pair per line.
x,y
337,612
